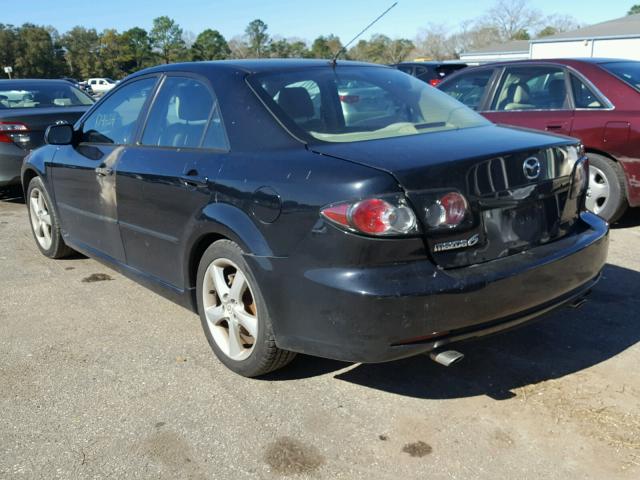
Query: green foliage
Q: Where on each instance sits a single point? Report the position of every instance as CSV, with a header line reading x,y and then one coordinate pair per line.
x,y
521,34
325,46
634,10
210,45
137,49
547,32
82,47
381,49
257,38
166,40
35,54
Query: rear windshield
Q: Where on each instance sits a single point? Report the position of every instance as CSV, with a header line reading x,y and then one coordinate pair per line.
x,y
626,71
444,70
41,95
353,103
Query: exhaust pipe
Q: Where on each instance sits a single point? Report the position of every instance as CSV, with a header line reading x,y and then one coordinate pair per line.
x,y
446,357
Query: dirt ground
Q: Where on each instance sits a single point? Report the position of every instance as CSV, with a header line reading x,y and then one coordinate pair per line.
x,y
100,378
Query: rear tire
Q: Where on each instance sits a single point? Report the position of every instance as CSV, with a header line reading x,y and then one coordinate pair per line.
x,y
607,195
44,221
233,313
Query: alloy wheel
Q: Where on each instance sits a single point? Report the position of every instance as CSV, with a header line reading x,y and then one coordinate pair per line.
x,y
230,309
40,218
599,190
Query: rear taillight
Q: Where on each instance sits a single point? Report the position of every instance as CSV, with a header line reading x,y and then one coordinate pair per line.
x,y
374,216
13,132
448,211
349,98
434,82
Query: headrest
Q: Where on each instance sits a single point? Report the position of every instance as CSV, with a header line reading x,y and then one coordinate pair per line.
x,y
296,102
194,104
521,94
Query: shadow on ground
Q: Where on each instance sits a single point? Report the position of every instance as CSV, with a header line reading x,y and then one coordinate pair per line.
x,y
630,219
560,344
11,194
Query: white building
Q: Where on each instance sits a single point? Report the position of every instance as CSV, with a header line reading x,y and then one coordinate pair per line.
x,y
619,38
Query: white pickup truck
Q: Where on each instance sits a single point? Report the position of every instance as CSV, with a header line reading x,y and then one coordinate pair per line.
x,y
100,86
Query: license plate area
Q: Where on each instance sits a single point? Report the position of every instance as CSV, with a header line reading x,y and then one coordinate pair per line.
x,y
516,228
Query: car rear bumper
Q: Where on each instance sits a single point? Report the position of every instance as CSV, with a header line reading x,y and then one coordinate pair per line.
x,y
10,163
388,312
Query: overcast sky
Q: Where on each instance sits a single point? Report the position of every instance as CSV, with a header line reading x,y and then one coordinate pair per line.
x,y
287,18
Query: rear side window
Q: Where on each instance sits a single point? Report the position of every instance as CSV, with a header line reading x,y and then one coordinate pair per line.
x,y
181,116
115,119
532,88
469,88
628,72
583,96
423,73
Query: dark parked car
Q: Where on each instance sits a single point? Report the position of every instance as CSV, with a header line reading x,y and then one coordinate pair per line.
x,y
27,107
595,100
431,72
291,228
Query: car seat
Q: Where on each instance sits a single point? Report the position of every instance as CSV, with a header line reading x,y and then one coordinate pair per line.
x,y
518,97
193,113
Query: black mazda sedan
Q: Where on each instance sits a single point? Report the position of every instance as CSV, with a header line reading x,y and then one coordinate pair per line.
x,y
342,210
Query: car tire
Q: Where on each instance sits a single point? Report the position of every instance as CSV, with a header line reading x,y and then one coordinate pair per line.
x,y
234,317
44,221
607,195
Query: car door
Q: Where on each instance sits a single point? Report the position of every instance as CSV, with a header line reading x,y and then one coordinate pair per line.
x,y
533,96
592,111
84,184
165,180
471,87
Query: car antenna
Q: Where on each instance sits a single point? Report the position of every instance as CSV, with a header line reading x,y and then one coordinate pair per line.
x,y
334,61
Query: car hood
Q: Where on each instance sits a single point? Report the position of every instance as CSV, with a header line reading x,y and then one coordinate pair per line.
x,y
417,160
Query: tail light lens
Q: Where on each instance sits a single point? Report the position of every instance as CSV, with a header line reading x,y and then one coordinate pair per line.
x,y
434,82
449,211
374,216
13,132
349,98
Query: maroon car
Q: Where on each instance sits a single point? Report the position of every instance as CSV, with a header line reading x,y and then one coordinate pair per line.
x,y
595,100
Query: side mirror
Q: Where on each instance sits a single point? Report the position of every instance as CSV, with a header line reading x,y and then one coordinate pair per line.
x,y
59,134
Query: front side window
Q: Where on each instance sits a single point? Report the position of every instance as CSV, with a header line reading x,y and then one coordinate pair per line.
x,y
628,72
469,88
353,103
532,88
583,96
115,119
41,95
182,113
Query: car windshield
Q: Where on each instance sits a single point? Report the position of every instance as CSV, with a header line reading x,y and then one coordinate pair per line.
x,y
626,71
41,95
355,103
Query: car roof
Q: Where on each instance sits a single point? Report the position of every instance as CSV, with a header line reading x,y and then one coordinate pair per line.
x,y
431,63
34,81
258,65
562,61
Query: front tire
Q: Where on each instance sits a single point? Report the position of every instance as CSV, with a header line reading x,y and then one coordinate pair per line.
x,y
44,221
233,313
607,193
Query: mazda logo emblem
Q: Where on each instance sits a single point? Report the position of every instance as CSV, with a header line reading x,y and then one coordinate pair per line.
x,y
531,168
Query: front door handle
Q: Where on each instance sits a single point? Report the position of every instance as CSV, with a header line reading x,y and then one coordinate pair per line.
x,y
104,171
554,127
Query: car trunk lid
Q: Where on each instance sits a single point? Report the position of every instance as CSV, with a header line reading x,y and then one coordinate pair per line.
x,y
510,211
37,120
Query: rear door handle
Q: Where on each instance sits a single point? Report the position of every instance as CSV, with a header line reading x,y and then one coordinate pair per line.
x,y
104,171
554,127
191,179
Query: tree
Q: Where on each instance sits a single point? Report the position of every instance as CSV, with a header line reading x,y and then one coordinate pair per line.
x,y
166,39
399,49
635,10
8,40
112,56
81,46
137,49
239,47
557,24
325,46
434,43
511,17
35,54
210,45
257,38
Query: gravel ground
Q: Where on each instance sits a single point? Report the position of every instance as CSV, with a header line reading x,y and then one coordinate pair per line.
x,y
100,378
